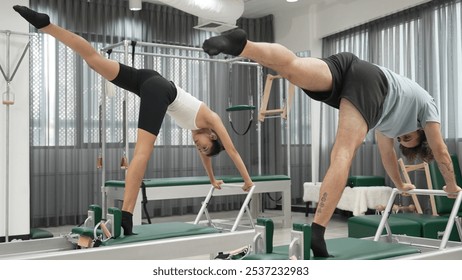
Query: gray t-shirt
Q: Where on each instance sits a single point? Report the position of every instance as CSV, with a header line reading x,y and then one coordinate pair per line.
x,y
407,107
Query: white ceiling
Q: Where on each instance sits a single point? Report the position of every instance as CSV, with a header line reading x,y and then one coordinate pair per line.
x,y
259,8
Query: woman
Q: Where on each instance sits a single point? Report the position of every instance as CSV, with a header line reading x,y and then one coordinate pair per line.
x,y
158,96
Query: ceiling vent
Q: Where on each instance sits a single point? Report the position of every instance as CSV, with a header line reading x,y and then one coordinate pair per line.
x,y
214,26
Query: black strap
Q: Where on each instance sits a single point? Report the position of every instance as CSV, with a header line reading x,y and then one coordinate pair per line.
x,y
133,53
144,201
248,126
245,132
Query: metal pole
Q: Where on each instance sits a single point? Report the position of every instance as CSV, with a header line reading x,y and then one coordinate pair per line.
x,y
260,91
126,45
193,58
8,103
287,123
103,148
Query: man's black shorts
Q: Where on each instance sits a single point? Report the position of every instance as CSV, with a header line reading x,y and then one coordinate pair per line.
x,y
359,81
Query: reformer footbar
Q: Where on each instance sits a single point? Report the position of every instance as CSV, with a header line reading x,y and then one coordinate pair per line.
x,y
244,208
427,243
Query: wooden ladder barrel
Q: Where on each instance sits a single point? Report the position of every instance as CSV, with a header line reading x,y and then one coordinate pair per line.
x,y
264,111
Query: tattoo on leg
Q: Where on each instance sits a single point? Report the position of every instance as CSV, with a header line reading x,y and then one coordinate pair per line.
x,y
322,202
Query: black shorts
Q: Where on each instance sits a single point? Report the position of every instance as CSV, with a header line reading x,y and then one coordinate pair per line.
x,y
156,94
359,81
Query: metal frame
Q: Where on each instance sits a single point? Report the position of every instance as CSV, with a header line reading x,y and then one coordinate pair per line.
x,y
244,208
7,101
192,191
58,248
451,221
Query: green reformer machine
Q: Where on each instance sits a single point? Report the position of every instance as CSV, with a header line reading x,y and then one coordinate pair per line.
x,y
103,238
378,247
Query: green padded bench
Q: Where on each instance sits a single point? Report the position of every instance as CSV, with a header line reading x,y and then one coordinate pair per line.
x,y
405,223
361,249
84,236
196,180
38,233
339,248
365,181
352,249
366,226
161,231
198,187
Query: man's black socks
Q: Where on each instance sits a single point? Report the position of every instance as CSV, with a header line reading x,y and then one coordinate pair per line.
x,y
318,244
232,42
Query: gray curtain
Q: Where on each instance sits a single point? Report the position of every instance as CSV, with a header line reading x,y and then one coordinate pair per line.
x,y
422,43
66,96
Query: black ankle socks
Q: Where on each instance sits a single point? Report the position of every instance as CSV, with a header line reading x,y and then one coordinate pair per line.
x,y
232,43
38,20
318,244
127,223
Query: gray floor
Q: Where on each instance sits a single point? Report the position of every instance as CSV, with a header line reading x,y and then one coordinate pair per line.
x,y
336,228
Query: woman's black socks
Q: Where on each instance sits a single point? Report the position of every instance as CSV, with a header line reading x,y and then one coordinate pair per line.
x,y
127,223
38,20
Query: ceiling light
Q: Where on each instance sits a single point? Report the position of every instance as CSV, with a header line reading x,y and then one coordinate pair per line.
x,y
134,5
290,1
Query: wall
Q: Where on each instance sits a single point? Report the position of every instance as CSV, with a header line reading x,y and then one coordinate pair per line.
x,y
19,125
303,28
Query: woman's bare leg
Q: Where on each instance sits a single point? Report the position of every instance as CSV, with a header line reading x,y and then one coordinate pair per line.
x,y
135,173
105,67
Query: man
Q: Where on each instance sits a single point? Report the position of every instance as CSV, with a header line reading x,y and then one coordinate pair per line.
x,y
368,97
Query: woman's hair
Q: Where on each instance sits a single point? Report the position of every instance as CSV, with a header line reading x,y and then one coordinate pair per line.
x,y
216,148
422,150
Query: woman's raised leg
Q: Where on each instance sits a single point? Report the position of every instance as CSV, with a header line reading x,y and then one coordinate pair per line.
x,y
105,67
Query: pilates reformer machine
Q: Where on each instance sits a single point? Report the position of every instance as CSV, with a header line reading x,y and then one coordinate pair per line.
x,y
382,246
102,238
